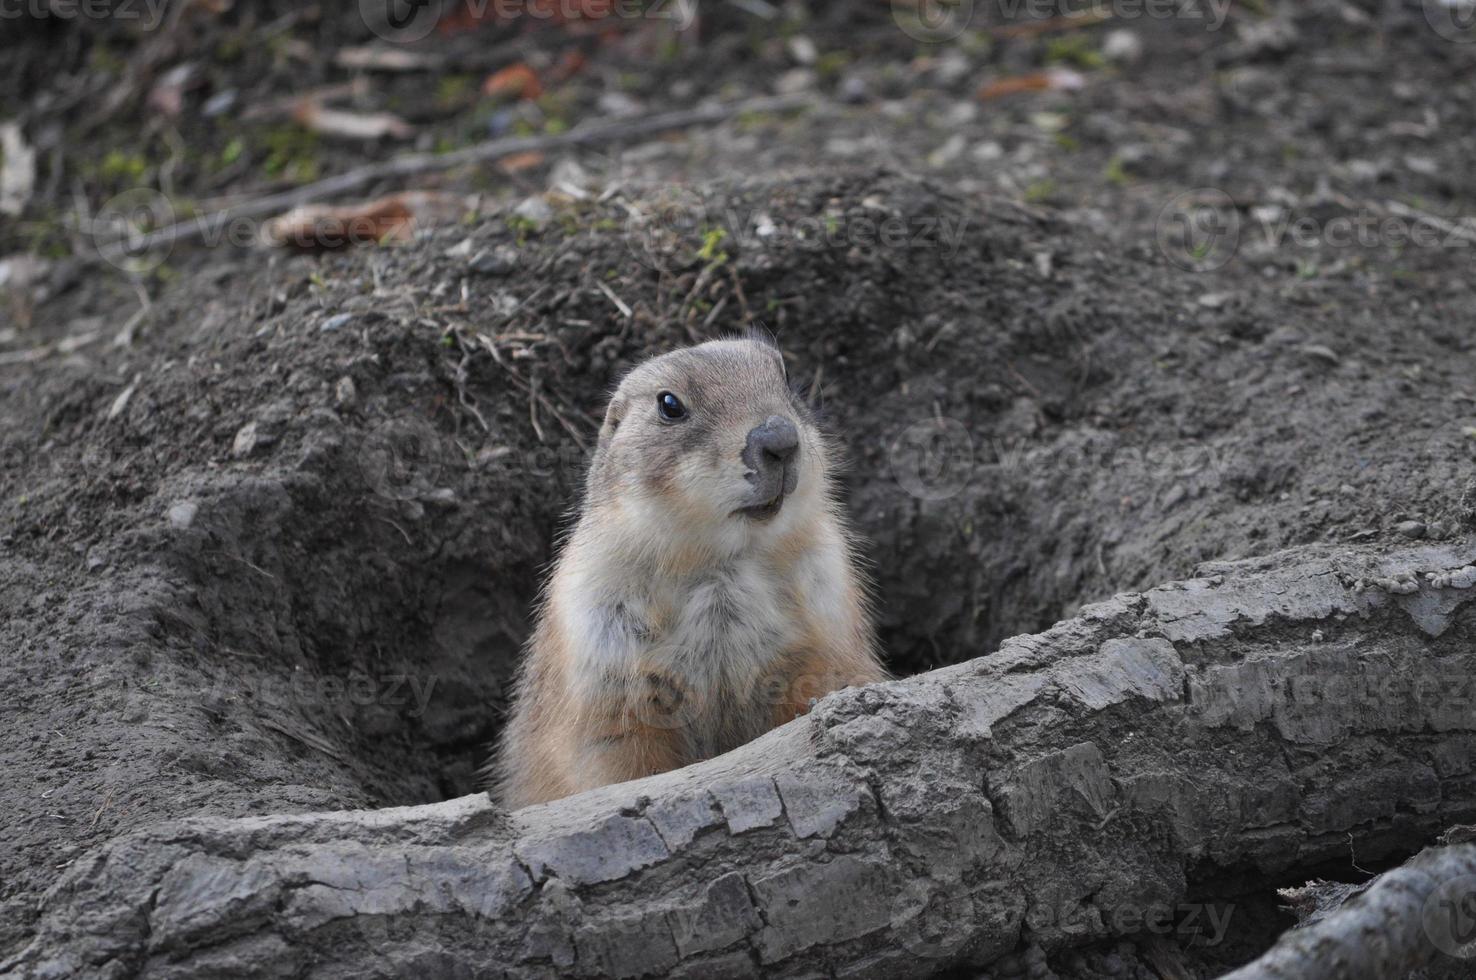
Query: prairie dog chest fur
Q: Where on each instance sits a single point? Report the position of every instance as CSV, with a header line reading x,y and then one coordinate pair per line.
x,y
708,591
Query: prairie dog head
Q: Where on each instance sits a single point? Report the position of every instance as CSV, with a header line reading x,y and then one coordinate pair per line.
x,y
708,445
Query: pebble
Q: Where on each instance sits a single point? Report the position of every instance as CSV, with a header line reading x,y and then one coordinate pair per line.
x,y
950,151
1463,578
182,514
245,441
345,392
619,104
795,80
335,322
1122,47
500,261
220,103
1398,585
1411,529
853,89
803,50
534,209
987,151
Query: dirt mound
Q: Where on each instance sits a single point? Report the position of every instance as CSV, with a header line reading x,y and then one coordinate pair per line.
x,y
279,554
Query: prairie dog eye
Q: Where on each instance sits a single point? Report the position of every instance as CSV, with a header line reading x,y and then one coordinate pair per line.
x,y
670,407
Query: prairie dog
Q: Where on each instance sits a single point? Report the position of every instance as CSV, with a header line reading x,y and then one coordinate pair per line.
x,y
707,593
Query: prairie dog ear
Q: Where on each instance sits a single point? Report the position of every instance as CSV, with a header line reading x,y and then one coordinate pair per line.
x,y
613,415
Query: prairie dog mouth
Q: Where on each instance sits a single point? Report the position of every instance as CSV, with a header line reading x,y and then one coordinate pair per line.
x,y
761,512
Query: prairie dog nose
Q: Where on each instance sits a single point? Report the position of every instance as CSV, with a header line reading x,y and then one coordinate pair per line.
x,y
771,444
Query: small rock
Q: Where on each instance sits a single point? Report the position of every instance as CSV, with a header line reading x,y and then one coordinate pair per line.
x,y
569,179
345,392
245,442
986,151
854,90
1423,165
460,250
95,562
1122,47
1112,965
443,497
618,104
182,514
1049,122
1213,301
794,81
1411,529
952,67
960,114
534,209
335,322
803,50
498,262
219,103
950,151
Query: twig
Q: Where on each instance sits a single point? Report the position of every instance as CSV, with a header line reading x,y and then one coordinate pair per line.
x,y
610,294
98,815
413,164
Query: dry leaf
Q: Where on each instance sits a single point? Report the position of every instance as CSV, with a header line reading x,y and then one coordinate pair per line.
x,y
518,80
352,125
322,227
571,63
18,175
1057,79
520,161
